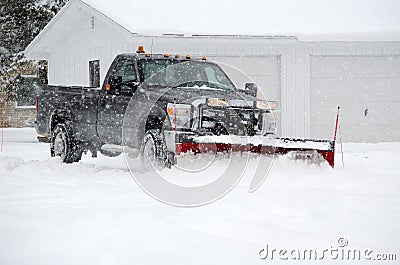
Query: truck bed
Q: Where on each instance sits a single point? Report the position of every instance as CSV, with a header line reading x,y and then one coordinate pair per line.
x,y
78,102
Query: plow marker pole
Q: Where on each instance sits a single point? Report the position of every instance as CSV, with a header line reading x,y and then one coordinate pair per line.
x,y
334,136
337,123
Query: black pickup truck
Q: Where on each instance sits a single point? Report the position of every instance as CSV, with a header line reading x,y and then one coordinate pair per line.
x,y
156,104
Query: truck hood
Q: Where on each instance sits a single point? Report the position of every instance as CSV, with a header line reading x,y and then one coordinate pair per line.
x,y
188,95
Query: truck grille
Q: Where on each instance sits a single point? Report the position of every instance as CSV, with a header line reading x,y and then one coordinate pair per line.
x,y
236,121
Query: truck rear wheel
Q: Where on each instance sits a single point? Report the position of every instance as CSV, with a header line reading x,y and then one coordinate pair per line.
x,y
64,144
154,151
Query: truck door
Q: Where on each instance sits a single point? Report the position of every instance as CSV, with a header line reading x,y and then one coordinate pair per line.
x,y
113,103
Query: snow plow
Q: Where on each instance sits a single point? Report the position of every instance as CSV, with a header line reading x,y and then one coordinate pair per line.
x,y
305,149
301,148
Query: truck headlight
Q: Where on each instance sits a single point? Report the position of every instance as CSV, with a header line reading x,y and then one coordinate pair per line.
x,y
266,105
179,115
217,102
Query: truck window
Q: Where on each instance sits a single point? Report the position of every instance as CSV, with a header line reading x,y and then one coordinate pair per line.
x,y
172,73
216,75
126,70
152,67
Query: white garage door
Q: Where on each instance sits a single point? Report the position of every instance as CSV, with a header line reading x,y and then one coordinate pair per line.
x,y
367,88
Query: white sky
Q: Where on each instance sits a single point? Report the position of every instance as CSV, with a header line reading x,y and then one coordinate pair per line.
x,y
380,18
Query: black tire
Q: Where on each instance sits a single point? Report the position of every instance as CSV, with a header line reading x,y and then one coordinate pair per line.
x,y
154,151
64,144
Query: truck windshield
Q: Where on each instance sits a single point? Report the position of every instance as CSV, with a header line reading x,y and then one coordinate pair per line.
x,y
174,73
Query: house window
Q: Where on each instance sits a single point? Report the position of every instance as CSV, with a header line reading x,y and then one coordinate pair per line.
x,y
94,73
27,88
43,72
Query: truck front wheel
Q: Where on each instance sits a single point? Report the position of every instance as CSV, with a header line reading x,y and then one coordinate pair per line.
x,y
64,144
154,151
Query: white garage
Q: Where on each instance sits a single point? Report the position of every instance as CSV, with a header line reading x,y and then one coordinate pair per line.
x,y
367,88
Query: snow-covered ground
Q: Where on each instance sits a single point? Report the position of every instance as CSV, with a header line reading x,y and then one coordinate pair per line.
x,y
92,212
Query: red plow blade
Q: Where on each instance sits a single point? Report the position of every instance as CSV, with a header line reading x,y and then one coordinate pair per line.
x,y
326,149
304,147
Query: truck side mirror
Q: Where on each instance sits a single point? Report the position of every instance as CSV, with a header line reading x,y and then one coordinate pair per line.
x,y
114,87
250,89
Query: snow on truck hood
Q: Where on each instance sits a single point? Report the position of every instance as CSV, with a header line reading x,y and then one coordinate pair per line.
x,y
190,94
